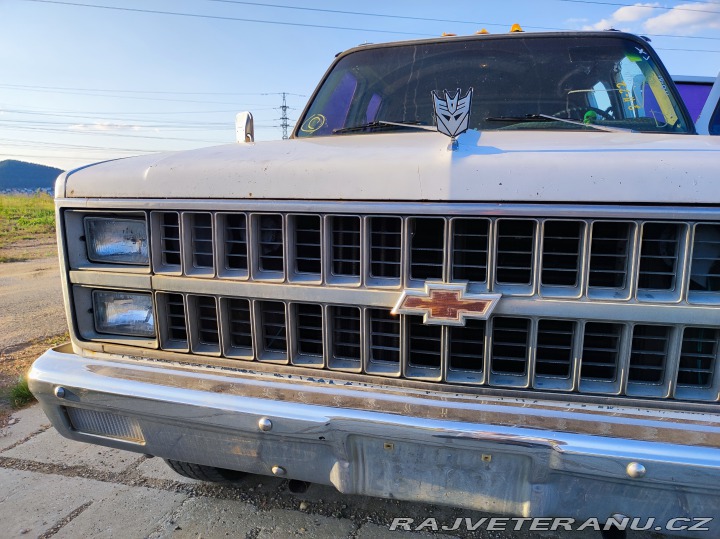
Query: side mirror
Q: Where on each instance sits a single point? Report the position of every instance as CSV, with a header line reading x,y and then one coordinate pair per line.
x,y
244,127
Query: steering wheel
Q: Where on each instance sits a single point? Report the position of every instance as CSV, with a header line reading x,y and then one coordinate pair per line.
x,y
579,112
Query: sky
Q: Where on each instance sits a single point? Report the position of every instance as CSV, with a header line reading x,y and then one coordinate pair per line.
x,y
87,80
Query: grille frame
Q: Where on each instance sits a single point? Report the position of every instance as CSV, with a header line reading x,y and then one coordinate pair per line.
x,y
682,308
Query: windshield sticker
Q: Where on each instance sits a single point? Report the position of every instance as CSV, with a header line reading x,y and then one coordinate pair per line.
x,y
452,112
627,96
312,124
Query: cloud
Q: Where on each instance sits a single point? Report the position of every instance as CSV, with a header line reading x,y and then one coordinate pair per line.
x,y
624,15
686,18
104,126
690,18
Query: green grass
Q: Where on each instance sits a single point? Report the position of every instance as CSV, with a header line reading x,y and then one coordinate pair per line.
x,y
20,394
25,216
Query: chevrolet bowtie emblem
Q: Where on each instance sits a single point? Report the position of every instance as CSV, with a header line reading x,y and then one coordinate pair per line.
x,y
446,304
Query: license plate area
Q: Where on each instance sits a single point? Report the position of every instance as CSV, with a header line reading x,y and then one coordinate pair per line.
x,y
459,476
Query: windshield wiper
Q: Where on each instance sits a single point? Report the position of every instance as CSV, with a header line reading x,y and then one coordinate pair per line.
x,y
544,117
382,124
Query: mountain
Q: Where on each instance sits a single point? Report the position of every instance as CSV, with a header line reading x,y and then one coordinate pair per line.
x,y
22,175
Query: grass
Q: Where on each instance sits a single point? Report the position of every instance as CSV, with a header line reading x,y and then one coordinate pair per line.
x,y
20,394
26,216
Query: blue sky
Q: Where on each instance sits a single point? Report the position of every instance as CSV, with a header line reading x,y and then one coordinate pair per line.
x,y
82,83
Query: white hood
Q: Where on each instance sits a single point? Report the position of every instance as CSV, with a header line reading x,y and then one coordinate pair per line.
x,y
532,166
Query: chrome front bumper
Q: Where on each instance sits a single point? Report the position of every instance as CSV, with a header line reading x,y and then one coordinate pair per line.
x,y
518,456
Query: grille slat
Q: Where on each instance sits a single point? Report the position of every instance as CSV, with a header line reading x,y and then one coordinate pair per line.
x,y
515,248
345,246
616,261
427,247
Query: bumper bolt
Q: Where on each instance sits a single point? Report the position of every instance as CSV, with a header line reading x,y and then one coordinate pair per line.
x,y
635,470
264,424
279,471
60,392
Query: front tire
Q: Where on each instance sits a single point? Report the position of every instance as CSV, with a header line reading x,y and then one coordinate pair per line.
x,y
204,473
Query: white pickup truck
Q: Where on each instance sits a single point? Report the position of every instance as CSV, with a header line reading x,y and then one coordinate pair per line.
x,y
484,272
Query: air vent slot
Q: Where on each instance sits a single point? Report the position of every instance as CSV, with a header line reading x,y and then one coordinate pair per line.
x,y
698,357
562,255
385,247
345,248
240,324
170,239
201,238
554,357
345,338
659,256
424,344
270,243
308,249
649,352
601,351
467,346
470,249
427,248
515,244
236,253
705,269
207,320
698,363
273,331
175,324
309,331
511,344
609,254
384,337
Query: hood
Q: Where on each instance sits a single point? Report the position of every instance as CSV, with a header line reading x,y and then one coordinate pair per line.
x,y
532,166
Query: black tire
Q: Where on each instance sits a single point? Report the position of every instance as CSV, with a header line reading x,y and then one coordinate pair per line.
x,y
204,473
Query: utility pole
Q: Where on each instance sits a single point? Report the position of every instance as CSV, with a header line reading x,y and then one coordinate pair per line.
x,y
284,118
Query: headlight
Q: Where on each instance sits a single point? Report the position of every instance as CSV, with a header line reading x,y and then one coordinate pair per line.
x,y
122,313
116,241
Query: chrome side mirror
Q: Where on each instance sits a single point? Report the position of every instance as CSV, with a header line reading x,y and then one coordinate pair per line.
x,y
244,127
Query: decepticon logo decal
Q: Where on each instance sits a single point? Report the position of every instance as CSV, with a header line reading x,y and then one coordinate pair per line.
x,y
452,112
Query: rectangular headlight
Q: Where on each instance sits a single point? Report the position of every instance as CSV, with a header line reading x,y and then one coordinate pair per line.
x,y
123,313
117,241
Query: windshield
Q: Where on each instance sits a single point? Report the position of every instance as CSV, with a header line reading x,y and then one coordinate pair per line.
x,y
517,82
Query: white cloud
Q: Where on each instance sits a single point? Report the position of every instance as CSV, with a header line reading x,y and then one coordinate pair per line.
x,y
623,15
686,18
690,18
104,126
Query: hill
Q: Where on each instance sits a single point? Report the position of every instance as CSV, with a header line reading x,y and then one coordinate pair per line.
x,y
19,175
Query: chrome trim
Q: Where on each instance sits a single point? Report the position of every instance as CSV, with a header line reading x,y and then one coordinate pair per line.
x,y
326,432
456,209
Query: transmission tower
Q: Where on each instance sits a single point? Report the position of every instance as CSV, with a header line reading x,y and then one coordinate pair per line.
x,y
284,118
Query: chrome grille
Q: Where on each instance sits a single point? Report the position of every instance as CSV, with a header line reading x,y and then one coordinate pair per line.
x,y
602,305
610,254
427,245
515,244
385,247
542,353
345,246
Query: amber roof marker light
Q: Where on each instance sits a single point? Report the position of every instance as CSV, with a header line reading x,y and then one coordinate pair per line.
x,y
516,28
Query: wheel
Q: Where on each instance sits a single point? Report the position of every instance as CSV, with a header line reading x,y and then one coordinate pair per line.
x,y
204,473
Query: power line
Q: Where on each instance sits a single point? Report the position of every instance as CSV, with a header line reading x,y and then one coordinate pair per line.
x,y
372,30
432,19
170,92
225,18
643,6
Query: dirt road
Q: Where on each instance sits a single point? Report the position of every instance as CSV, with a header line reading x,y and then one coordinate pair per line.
x,y
31,305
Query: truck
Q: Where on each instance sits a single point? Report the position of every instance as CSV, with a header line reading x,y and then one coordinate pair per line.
x,y
484,271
